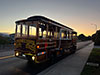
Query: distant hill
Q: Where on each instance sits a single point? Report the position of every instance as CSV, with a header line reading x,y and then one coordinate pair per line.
x,y
82,37
6,38
12,35
4,34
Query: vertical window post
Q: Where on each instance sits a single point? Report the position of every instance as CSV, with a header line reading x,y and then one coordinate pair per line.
x,y
28,31
16,31
53,31
76,35
21,30
71,35
56,32
37,29
66,34
47,30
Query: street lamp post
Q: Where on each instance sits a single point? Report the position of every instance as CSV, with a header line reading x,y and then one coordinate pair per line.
x,y
95,26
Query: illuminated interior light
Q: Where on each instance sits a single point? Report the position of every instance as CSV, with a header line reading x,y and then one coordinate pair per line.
x,y
33,57
14,43
38,47
60,48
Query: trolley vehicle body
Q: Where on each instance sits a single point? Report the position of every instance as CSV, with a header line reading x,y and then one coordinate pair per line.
x,y
39,39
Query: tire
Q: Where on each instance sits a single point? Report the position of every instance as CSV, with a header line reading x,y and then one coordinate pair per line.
x,y
73,49
53,57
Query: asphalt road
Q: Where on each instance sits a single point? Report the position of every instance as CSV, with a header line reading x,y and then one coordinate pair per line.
x,y
10,65
71,65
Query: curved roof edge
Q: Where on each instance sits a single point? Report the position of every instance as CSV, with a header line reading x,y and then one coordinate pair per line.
x,y
35,18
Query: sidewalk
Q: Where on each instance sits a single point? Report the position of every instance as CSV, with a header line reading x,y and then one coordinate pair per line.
x,y
6,47
96,46
6,53
71,65
6,50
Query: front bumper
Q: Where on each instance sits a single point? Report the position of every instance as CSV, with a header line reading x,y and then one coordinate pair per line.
x,y
27,56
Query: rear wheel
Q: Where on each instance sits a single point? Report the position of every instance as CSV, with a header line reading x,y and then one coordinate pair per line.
x,y
53,57
73,49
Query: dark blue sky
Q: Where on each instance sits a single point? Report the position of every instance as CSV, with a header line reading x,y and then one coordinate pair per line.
x,y
78,14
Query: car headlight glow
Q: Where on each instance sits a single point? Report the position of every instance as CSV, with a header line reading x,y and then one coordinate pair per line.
x,y
17,54
33,57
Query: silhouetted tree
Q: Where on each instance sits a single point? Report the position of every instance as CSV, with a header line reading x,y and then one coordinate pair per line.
x,y
82,37
96,38
89,38
93,37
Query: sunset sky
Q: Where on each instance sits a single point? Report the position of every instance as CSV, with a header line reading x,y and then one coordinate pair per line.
x,y
77,14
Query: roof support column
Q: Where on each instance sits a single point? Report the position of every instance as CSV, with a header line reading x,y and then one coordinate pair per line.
x,y
28,31
21,29
47,30
16,31
37,29
56,31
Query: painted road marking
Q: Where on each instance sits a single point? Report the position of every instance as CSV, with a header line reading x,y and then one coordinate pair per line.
x,y
5,57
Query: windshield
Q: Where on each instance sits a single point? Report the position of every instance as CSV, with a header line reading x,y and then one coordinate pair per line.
x,y
25,30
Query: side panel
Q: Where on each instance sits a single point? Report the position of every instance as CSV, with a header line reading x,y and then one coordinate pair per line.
x,y
25,45
44,46
64,43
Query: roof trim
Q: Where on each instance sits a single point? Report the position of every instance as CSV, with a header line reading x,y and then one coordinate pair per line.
x,y
42,18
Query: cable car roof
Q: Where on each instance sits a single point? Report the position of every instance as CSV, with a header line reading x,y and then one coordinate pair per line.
x,y
43,19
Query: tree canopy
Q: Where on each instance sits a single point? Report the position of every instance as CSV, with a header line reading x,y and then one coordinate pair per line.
x,y
82,37
96,38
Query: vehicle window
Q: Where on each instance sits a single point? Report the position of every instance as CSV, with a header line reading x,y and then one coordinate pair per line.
x,y
42,31
63,34
69,35
24,30
74,36
18,30
32,31
56,34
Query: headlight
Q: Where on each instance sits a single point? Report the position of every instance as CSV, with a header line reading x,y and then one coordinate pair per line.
x,y
33,57
17,54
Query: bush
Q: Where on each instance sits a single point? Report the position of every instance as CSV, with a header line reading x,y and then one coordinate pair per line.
x,y
82,37
5,40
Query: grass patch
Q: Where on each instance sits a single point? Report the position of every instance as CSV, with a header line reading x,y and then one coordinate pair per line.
x,y
93,58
